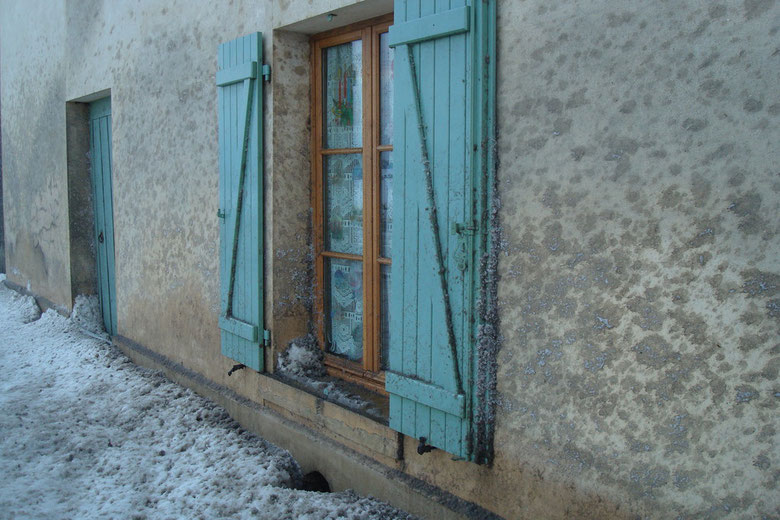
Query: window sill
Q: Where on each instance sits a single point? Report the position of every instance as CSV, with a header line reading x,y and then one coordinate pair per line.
x,y
355,374
360,422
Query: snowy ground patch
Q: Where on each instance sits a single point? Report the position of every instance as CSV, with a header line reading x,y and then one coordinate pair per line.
x,y
88,434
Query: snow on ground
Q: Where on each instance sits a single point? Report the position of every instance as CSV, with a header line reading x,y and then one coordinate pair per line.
x,y
85,433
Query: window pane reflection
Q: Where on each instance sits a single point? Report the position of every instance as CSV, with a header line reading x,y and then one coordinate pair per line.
x,y
342,92
343,185
384,309
385,203
344,308
385,90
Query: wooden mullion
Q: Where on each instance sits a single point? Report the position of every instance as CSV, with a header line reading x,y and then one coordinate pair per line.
x,y
354,372
341,256
376,322
378,149
337,34
339,151
368,213
324,41
316,195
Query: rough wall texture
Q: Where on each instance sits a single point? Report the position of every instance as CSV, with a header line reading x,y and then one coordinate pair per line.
x,y
291,260
160,67
638,171
2,239
640,278
81,217
34,159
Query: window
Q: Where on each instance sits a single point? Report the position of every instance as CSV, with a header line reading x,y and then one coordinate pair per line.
x,y
441,117
352,197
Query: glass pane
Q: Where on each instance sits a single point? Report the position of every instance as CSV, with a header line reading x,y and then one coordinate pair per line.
x,y
344,308
385,90
384,309
342,87
343,192
385,202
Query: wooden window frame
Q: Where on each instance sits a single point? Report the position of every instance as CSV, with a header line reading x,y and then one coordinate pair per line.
x,y
366,373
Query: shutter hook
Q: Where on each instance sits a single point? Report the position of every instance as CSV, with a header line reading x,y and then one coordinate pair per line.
x,y
423,448
235,367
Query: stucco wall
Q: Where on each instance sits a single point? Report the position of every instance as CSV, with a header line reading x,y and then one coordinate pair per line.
x,y
290,263
160,67
639,292
639,273
34,156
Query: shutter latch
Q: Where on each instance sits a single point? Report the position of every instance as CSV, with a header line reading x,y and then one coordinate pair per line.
x,y
461,228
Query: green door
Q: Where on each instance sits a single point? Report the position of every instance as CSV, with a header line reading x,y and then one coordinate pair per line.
x,y
100,147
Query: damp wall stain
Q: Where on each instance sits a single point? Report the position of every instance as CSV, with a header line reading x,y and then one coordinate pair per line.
x,y
639,278
34,156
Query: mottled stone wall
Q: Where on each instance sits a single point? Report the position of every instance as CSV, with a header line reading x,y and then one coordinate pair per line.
x,y
81,217
159,60
290,262
639,290
34,158
640,283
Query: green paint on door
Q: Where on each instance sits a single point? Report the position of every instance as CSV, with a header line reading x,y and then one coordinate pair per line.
x,y
100,146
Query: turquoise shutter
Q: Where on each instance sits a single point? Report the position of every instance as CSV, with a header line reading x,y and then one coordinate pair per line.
x,y
240,102
435,237
429,358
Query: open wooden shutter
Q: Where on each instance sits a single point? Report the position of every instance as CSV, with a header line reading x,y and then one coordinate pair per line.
x,y
240,101
430,374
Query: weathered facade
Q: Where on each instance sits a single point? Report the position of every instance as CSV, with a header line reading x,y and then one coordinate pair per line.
x,y
635,230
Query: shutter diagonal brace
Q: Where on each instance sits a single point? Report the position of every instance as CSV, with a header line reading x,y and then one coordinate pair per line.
x,y
433,217
240,197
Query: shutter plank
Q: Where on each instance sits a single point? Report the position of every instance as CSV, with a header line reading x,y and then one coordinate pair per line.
x,y
400,319
97,195
437,97
105,136
457,431
424,56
